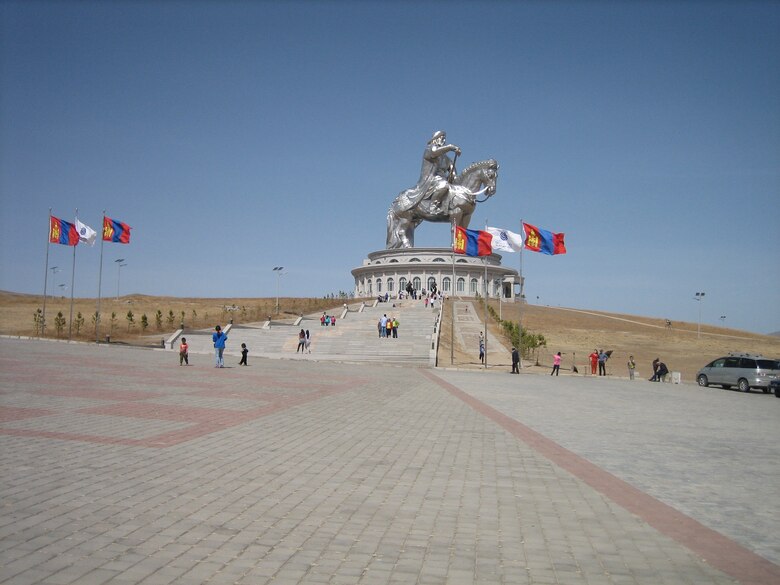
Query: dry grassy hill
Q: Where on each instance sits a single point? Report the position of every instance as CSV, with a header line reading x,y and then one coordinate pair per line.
x,y
575,333
16,313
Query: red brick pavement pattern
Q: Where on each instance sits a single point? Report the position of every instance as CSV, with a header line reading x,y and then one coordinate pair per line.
x,y
9,413
73,377
716,549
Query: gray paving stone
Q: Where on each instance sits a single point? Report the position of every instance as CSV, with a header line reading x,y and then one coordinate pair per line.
x,y
380,475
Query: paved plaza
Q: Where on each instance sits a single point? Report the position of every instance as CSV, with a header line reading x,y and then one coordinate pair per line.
x,y
119,466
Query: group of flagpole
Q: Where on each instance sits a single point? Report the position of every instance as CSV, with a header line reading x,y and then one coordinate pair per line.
x,y
112,230
479,243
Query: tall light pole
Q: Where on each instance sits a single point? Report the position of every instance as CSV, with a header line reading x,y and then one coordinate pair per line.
x,y
54,271
278,270
119,264
699,297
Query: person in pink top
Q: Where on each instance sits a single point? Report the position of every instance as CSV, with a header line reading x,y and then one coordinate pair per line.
x,y
556,364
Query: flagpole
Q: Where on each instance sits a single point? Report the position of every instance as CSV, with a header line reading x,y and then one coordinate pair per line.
x,y
72,281
452,295
46,277
100,280
522,296
484,263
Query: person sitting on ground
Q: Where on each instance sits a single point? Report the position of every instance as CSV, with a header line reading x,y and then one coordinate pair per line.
x,y
662,371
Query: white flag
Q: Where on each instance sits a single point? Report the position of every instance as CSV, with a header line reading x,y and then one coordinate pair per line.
x,y
86,233
505,240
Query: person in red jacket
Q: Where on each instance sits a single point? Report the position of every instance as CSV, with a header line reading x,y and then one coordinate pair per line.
x,y
594,361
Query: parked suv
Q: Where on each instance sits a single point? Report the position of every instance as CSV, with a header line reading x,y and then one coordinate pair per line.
x,y
743,370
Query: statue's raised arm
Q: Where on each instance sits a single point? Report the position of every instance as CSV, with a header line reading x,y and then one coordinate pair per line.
x,y
435,197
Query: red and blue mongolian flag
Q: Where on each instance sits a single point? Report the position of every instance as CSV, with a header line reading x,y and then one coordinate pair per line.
x,y
472,242
62,232
538,240
115,231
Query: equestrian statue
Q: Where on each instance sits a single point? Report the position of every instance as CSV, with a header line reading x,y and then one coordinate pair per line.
x,y
441,194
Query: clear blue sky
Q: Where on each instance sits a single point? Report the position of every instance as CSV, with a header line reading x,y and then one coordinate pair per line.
x,y
238,136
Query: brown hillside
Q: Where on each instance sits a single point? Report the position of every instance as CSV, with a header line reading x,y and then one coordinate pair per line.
x,y
576,333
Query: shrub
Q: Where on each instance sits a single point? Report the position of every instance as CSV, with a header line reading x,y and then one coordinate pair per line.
x,y
59,322
144,322
79,322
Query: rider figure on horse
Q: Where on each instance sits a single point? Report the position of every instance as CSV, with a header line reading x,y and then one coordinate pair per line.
x,y
437,172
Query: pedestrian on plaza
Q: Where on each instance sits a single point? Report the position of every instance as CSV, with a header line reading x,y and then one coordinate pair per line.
x,y
395,327
244,354
301,342
327,320
308,342
662,372
656,361
389,327
594,361
184,352
333,320
219,339
603,357
556,364
631,367
379,327
481,348
322,319
515,361
383,326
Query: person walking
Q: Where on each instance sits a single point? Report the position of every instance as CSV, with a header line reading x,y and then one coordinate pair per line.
x,y
631,367
308,342
556,364
481,348
184,352
244,354
515,361
301,342
219,339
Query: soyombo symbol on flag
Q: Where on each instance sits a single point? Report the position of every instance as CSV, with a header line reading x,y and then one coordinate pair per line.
x,y
543,241
62,232
472,242
115,231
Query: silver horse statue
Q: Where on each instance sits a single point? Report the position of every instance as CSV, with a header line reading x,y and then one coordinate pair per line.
x,y
456,207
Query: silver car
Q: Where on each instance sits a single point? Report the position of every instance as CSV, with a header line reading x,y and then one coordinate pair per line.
x,y
743,370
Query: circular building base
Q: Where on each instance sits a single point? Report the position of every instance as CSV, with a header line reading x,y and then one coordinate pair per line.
x,y
389,271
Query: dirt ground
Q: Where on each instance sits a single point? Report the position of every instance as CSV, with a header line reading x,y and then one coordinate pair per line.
x,y
17,310
575,333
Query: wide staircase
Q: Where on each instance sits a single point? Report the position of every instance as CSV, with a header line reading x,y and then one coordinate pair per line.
x,y
354,337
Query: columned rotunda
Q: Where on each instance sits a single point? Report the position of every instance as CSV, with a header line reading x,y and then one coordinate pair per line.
x,y
389,271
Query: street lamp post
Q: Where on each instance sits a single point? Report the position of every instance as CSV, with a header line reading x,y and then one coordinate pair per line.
x,y
119,264
278,270
54,271
699,297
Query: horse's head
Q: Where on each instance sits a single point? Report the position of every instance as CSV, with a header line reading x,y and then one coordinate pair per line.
x,y
477,175
490,177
